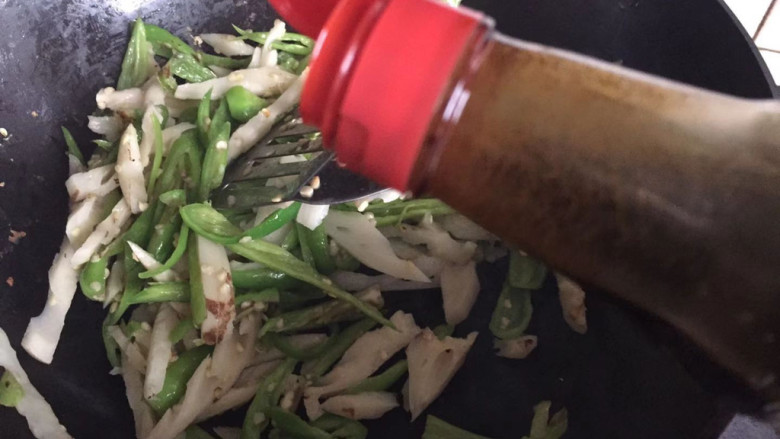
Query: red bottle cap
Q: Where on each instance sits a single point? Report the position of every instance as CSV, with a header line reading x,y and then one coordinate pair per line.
x,y
378,74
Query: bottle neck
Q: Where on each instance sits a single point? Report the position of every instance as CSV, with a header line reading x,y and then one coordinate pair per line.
x,y
450,108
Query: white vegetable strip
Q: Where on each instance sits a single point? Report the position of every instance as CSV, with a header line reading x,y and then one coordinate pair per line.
x,y
104,233
124,100
572,298
262,81
146,147
240,394
227,44
248,134
218,290
352,281
96,182
223,71
432,364
142,412
368,405
83,217
74,165
153,92
463,228
270,57
367,354
130,171
147,260
213,377
438,241
40,417
516,349
357,234
459,290
312,215
130,351
109,126
159,350
171,134
43,332
257,58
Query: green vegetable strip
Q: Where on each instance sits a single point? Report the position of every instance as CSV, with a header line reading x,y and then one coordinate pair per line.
x,y
73,148
288,62
284,345
112,348
512,314
178,252
443,331
341,428
312,317
303,241
161,243
175,197
186,67
525,272
197,297
195,432
340,344
262,278
205,220
92,279
136,64
435,428
221,115
268,393
166,79
274,221
102,144
184,159
11,391
383,381
296,44
295,426
265,296
181,329
163,292
291,241
176,377
215,161
164,42
243,104
204,118
221,61
319,247
155,171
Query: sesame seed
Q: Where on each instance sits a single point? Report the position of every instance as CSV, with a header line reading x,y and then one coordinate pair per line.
x,y
276,199
315,182
362,205
245,239
221,145
245,305
231,200
97,286
266,112
146,326
3,132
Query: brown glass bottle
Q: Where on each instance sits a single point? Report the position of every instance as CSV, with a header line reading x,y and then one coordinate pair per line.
x,y
662,194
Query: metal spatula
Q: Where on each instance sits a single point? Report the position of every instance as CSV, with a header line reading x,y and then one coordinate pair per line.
x,y
288,164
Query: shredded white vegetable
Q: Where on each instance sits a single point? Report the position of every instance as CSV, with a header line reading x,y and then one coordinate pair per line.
x,y
367,405
218,290
438,241
109,126
270,57
432,364
312,215
227,44
146,147
96,182
104,233
572,298
248,134
147,260
43,332
130,171
352,281
127,100
40,417
357,234
83,218
516,349
159,350
142,412
262,81
459,290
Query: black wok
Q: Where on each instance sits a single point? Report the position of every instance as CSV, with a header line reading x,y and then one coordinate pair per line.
x,y
629,377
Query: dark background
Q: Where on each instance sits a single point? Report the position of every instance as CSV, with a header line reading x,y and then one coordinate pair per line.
x,y
629,377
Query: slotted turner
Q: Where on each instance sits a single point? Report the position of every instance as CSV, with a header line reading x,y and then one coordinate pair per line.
x,y
273,171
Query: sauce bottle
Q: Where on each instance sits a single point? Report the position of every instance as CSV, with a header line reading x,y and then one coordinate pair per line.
x,y
662,194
